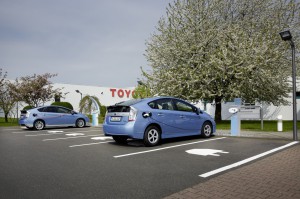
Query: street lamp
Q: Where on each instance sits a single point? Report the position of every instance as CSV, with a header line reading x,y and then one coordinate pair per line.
x,y
287,36
77,91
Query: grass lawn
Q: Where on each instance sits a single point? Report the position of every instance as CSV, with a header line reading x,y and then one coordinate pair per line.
x,y
256,125
11,122
225,125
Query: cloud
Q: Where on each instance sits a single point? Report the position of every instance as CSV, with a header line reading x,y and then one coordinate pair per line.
x,y
86,42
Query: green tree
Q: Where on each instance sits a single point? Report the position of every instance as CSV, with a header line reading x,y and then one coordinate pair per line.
x,y
7,101
142,91
216,50
34,90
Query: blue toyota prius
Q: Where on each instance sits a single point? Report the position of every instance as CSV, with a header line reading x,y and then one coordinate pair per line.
x,y
153,119
52,116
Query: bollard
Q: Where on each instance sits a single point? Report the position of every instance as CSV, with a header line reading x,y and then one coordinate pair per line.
x,y
279,123
235,126
95,119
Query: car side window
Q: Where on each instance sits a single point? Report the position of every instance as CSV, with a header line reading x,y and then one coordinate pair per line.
x,y
63,110
182,106
162,104
50,109
42,109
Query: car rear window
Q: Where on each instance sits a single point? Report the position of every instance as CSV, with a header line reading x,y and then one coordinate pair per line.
x,y
123,106
129,102
117,108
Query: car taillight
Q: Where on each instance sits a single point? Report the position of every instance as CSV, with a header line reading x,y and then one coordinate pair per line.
x,y
132,114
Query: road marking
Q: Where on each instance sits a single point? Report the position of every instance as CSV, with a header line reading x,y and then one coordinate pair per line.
x,y
205,152
69,138
102,138
205,175
55,131
20,132
44,134
16,129
74,134
159,149
88,144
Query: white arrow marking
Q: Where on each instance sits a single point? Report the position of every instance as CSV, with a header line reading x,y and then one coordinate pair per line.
x,y
101,138
55,131
205,152
74,134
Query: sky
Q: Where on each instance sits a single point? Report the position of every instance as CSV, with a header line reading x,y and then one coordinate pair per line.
x,y
85,42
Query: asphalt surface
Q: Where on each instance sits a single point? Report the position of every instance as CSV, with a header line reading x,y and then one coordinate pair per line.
x,y
82,163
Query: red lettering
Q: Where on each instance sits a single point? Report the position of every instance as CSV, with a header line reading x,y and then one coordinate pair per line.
x,y
127,93
113,90
121,93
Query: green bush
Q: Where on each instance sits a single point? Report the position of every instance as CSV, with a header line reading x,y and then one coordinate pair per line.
x,y
102,111
28,107
64,104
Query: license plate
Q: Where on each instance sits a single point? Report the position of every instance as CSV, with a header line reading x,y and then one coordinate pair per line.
x,y
115,119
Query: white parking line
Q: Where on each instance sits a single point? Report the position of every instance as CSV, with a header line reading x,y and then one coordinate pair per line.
x,y
44,134
19,132
159,149
88,144
205,175
69,138
49,133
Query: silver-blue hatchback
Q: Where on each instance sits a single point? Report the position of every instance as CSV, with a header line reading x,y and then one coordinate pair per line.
x,y
52,116
153,119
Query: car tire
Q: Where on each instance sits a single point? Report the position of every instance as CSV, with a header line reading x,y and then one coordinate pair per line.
x,y
39,125
120,139
80,123
152,136
206,130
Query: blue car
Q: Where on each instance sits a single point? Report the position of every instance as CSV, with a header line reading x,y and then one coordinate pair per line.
x,y
52,116
153,119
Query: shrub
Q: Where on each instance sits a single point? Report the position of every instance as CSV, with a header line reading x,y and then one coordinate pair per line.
x,y
64,104
28,107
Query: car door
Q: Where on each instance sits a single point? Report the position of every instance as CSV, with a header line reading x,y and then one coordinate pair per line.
x,y
187,118
50,116
162,114
66,116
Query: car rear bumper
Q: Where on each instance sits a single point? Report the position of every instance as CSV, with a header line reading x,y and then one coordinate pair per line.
x,y
127,130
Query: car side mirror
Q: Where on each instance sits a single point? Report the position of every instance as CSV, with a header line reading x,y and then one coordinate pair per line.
x,y
73,112
198,111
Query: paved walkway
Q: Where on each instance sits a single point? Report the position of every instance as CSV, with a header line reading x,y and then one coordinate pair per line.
x,y
259,134
276,176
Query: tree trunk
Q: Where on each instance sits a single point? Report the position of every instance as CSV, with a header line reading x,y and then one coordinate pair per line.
x,y
218,110
6,117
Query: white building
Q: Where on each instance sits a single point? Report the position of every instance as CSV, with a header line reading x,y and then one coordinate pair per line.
x,y
111,95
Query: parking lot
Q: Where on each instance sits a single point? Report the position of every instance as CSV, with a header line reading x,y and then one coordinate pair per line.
x,y
83,163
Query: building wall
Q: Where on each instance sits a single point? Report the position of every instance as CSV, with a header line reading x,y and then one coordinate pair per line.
x,y
111,95
107,95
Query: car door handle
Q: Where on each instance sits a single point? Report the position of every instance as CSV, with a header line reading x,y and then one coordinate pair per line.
x,y
182,116
160,114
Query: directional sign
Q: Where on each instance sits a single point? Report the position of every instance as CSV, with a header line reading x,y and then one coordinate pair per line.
x,y
205,152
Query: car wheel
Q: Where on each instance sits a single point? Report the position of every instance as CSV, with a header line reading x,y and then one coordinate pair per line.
x,y
206,130
39,125
152,136
80,123
120,139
